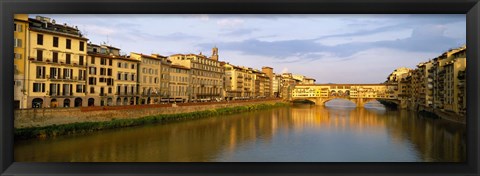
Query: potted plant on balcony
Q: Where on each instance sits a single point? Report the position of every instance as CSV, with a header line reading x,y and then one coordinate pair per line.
x,y
48,60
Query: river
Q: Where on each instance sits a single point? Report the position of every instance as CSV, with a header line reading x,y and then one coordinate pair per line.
x,y
337,132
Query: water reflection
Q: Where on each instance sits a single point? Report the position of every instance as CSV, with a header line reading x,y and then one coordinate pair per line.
x,y
298,133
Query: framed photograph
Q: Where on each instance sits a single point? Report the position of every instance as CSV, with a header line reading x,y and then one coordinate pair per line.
x,y
239,88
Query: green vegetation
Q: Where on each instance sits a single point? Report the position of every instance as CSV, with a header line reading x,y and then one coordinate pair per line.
x,y
87,127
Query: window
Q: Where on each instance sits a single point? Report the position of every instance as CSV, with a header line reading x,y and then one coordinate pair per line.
x,y
17,42
67,73
103,71
133,66
17,27
18,55
54,73
81,74
80,88
40,72
55,57
119,76
80,60
126,77
92,71
39,39
125,65
110,62
69,44
119,65
92,90
67,58
67,89
144,70
101,80
82,46
109,90
93,60
133,77
38,87
103,61
54,89
55,41
110,81
92,81
109,72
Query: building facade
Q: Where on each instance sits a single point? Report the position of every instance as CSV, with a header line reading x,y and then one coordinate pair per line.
x,y
56,64
207,75
179,83
20,35
102,74
150,73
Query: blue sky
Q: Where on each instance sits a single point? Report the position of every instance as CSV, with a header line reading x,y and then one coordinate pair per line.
x,y
329,48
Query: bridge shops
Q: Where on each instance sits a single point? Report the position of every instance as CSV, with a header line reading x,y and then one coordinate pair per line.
x,y
357,93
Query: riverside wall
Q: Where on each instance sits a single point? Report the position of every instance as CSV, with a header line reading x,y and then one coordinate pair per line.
x,y
55,116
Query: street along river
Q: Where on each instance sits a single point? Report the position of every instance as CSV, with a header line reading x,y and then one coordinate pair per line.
x,y
337,132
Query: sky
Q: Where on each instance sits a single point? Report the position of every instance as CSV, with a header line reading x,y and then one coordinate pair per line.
x,y
328,48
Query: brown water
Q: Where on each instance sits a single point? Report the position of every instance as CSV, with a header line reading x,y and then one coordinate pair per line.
x,y
336,133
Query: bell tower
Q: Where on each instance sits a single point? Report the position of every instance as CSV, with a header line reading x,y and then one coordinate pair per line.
x,y
214,54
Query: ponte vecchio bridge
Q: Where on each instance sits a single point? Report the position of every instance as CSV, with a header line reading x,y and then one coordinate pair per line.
x,y
360,94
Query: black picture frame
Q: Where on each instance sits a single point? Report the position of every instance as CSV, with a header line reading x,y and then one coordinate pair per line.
x,y
9,7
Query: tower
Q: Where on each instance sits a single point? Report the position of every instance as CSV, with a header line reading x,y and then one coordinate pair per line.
x,y
214,54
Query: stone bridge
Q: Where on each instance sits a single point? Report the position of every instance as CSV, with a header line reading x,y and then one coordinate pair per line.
x,y
360,94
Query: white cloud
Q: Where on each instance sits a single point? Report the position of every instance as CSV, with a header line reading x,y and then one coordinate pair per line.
x,y
99,30
230,22
380,36
204,17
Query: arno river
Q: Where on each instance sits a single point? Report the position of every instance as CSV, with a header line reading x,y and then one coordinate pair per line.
x,y
335,133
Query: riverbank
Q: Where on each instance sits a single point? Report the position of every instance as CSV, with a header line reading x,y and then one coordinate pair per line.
x,y
91,126
428,112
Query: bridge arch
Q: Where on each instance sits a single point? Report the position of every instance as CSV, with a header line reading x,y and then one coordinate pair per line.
x,y
359,102
324,101
305,100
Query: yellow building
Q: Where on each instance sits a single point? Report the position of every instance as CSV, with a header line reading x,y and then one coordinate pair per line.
x,y
102,74
149,71
206,75
126,82
20,34
56,64
179,83
239,82
455,92
269,72
276,85
443,84
164,78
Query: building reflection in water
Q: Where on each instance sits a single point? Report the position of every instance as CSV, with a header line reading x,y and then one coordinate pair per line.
x,y
267,135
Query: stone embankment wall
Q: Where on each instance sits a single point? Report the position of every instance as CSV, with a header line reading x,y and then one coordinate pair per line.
x,y
55,116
